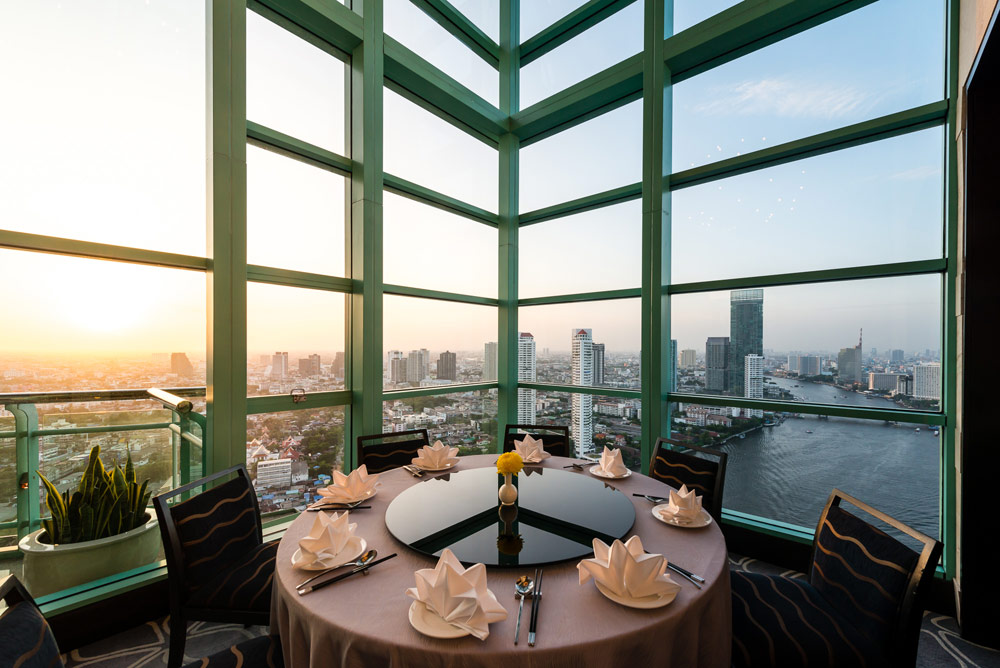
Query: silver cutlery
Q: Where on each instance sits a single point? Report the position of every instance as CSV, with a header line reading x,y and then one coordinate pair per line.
x,y
414,471
522,588
359,569
536,603
368,556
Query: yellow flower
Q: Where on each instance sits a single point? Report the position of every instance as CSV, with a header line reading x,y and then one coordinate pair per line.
x,y
509,462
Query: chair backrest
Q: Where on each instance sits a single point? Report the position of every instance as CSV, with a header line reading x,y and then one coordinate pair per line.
x,y
677,464
872,578
26,639
209,531
554,438
381,452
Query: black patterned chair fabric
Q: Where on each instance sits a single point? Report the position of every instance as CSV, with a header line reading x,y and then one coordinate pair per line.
x,y
706,476
554,438
26,640
219,569
261,652
860,607
382,452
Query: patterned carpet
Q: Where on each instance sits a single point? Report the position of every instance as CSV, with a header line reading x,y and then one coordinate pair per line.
x,y
146,645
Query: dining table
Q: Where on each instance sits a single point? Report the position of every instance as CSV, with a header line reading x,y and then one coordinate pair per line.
x,y
363,621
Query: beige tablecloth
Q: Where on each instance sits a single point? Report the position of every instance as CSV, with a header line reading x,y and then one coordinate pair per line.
x,y
362,621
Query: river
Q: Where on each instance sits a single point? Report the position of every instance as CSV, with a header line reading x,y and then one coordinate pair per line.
x,y
786,472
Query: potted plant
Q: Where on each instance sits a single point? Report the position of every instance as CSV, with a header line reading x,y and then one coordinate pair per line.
x,y
98,530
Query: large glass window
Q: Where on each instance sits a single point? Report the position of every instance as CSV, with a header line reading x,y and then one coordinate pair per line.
x,y
537,15
595,422
689,12
466,420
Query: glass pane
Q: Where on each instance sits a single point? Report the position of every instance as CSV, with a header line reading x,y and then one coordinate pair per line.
x,y
784,465
431,342
595,421
305,203
424,36
422,148
294,87
292,453
595,250
689,12
562,167
818,343
462,253
295,339
466,420
587,343
540,14
95,325
107,139
484,13
883,58
890,194
612,40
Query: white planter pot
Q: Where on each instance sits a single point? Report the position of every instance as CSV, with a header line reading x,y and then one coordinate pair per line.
x,y
50,568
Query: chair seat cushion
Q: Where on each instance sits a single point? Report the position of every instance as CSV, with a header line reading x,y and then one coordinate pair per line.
x,y
26,640
262,652
244,585
780,621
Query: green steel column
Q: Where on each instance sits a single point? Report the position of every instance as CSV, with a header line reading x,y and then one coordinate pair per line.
x,y
656,366
507,266
365,376
225,436
26,467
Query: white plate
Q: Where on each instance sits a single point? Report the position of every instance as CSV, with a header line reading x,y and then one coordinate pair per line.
x,y
355,547
441,468
645,603
703,519
596,470
431,624
329,499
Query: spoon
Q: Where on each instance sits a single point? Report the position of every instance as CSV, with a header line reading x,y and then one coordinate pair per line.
x,y
368,556
522,587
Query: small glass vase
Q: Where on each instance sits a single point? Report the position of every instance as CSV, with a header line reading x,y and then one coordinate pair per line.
x,y
507,493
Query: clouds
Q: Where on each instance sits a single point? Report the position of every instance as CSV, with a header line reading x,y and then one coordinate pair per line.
x,y
789,99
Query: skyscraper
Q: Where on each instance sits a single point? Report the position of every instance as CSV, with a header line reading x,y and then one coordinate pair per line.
x,y
447,366
927,381
279,365
490,361
598,349
338,364
689,358
310,366
416,365
753,376
746,333
525,372
672,383
180,364
582,373
396,364
849,365
896,356
717,363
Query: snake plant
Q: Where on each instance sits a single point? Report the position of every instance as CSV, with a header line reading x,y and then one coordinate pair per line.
x,y
105,503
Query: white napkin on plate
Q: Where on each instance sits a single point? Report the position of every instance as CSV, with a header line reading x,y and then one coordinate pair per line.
x,y
684,505
353,487
458,595
532,451
327,538
436,456
611,462
627,571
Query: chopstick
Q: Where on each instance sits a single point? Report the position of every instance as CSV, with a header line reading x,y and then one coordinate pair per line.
x,y
684,574
357,570
684,571
314,509
536,602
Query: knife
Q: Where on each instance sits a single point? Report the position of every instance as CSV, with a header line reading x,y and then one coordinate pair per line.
x,y
320,585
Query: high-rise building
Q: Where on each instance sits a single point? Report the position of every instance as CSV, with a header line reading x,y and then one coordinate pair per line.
x,y
582,373
416,365
274,473
689,358
849,365
672,378
753,380
896,356
310,366
598,349
279,365
180,364
526,372
447,367
490,361
746,333
395,366
883,382
805,365
927,381
338,364
717,363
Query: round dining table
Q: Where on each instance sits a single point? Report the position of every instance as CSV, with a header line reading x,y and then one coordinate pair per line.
x,y
362,621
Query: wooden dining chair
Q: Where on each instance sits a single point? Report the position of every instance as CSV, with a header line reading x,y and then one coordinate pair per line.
x,y
26,638
554,438
218,567
861,605
701,469
381,452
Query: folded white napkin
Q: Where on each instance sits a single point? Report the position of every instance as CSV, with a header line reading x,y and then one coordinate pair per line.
x,y
531,451
684,505
611,462
458,595
326,539
436,456
347,488
625,570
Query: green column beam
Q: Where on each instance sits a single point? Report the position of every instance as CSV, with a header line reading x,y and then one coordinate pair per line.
x,y
225,436
464,30
26,466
